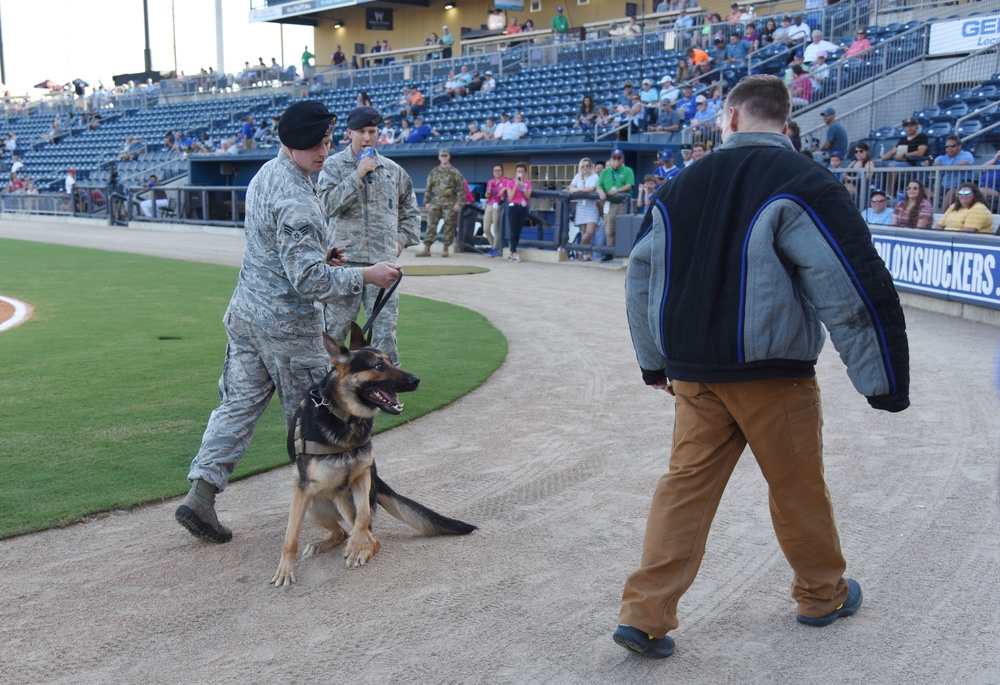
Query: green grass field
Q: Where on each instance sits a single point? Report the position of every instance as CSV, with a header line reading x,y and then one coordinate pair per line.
x,y
105,392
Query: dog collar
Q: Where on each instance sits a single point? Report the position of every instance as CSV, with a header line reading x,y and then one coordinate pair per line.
x,y
319,401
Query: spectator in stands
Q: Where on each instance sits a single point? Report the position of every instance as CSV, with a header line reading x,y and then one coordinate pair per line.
x,y
684,70
475,133
421,131
861,45
878,214
969,213
183,142
306,59
489,127
615,185
489,83
462,81
247,132
339,59
989,182
797,59
862,160
416,101
159,198
836,136
512,27
632,27
794,135
738,49
667,120
585,211
698,150
229,147
586,116
733,18
668,91
55,131
953,155
634,114
644,200
10,143
528,26
768,31
703,123
749,15
170,142
751,36
476,85
604,122
363,100
837,164
274,71
387,134
666,170
447,42
649,95
710,29
404,131
687,104
29,186
780,33
125,154
16,165
560,25
797,32
800,87
914,210
500,129
817,46
819,73
518,192
683,26
911,149
516,129
15,184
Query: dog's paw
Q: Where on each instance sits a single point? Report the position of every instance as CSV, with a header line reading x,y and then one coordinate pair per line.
x,y
360,549
285,575
324,545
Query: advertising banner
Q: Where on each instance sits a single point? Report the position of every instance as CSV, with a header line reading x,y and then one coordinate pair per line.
x,y
951,267
963,35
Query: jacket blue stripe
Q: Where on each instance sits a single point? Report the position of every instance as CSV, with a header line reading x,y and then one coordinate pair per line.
x,y
847,267
666,280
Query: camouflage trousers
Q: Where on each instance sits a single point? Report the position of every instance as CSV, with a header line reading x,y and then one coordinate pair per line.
x,y
344,310
435,214
257,363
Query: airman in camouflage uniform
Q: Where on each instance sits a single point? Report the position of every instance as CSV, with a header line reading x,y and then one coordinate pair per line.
x,y
373,215
446,188
274,322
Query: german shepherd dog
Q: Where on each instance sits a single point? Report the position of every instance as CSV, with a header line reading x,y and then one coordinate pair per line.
x,y
330,444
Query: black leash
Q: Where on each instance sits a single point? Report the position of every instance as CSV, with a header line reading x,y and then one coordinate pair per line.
x,y
380,301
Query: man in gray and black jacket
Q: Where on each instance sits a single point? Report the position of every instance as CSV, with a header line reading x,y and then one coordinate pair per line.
x,y
740,263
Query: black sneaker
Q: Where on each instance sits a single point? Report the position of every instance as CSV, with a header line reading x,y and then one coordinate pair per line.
x,y
643,643
849,607
607,258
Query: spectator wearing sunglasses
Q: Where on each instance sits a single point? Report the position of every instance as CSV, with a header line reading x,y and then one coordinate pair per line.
x,y
878,213
969,213
861,45
953,155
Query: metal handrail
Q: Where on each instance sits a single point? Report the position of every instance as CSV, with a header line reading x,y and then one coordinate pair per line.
x,y
973,115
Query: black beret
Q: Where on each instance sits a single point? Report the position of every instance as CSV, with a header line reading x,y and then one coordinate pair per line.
x,y
304,125
361,117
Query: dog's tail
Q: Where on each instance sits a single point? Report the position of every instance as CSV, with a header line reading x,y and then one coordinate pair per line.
x,y
417,515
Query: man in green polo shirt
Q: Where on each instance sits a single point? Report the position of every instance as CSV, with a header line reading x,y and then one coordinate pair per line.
x,y
613,187
560,24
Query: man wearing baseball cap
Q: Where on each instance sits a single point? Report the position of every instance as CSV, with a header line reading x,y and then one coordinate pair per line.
x,y
273,326
836,135
560,24
615,184
372,213
666,170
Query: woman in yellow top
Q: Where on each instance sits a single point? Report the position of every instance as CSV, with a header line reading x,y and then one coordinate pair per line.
x,y
969,213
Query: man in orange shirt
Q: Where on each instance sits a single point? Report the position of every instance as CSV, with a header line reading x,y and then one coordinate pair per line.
x,y
696,56
416,101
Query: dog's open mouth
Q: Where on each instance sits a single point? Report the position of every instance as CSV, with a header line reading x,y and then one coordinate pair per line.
x,y
386,400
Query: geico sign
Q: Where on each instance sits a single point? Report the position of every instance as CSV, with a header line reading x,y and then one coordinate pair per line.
x,y
981,27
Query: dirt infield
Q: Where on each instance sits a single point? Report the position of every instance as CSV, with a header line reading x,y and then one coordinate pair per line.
x,y
555,458
13,312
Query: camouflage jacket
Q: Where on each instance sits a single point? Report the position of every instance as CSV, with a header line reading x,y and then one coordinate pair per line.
x,y
284,274
369,220
445,186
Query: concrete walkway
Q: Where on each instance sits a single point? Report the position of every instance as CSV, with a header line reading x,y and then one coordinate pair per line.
x,y
555,458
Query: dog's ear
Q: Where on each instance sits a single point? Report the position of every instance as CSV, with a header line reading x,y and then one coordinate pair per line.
x,y
336,349
357,337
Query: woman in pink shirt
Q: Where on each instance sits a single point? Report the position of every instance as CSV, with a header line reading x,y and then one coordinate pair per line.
x,y
859,46
518,192
495,197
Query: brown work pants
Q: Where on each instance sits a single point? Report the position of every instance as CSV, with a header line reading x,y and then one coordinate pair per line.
x,y
781,420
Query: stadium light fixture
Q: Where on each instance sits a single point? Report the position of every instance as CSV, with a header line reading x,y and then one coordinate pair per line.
x,y
449,6
338,23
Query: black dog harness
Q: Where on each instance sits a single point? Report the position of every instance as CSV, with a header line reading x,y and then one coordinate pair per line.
x,y
313,448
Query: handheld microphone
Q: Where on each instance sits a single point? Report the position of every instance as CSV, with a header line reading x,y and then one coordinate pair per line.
x,y
367,151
